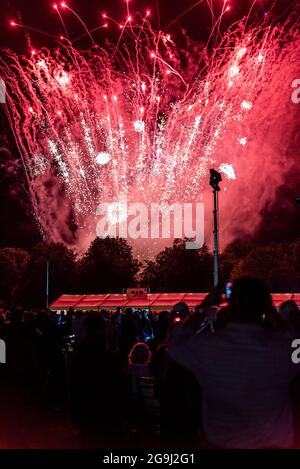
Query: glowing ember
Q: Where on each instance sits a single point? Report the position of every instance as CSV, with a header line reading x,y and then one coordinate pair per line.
x,y
246,105
242,141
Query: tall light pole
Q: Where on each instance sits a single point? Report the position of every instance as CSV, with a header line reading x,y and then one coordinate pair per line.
x,y
47,282
215,179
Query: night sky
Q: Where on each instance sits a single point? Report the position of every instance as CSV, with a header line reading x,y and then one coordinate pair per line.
x,y
18,226
41,15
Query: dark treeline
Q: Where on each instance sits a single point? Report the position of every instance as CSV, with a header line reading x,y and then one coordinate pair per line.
x,y
109,266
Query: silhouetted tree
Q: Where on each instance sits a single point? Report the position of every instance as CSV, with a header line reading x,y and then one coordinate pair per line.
x,y
232,255
107,266
277,265
179,269
12,265
62,278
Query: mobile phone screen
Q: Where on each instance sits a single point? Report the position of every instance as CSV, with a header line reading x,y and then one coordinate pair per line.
x,y
228,287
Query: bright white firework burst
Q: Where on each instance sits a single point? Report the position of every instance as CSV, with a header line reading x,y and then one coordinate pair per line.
x,y
103,158
139,126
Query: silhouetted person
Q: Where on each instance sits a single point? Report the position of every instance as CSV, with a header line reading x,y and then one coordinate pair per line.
x,y
53,358
129,332
78,326
96,380
139,360
161,326
178,393
147,333
179,312
244,370
22,354
289,311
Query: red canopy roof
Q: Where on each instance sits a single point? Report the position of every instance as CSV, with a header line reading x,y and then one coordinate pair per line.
x,y
154,300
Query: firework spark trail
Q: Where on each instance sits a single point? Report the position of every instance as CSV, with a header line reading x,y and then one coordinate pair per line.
x,y
139,124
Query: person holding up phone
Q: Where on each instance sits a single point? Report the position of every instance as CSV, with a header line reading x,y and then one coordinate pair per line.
x,y
244,368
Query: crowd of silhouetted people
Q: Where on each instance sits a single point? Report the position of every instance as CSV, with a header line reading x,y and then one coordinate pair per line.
x,y
225,375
